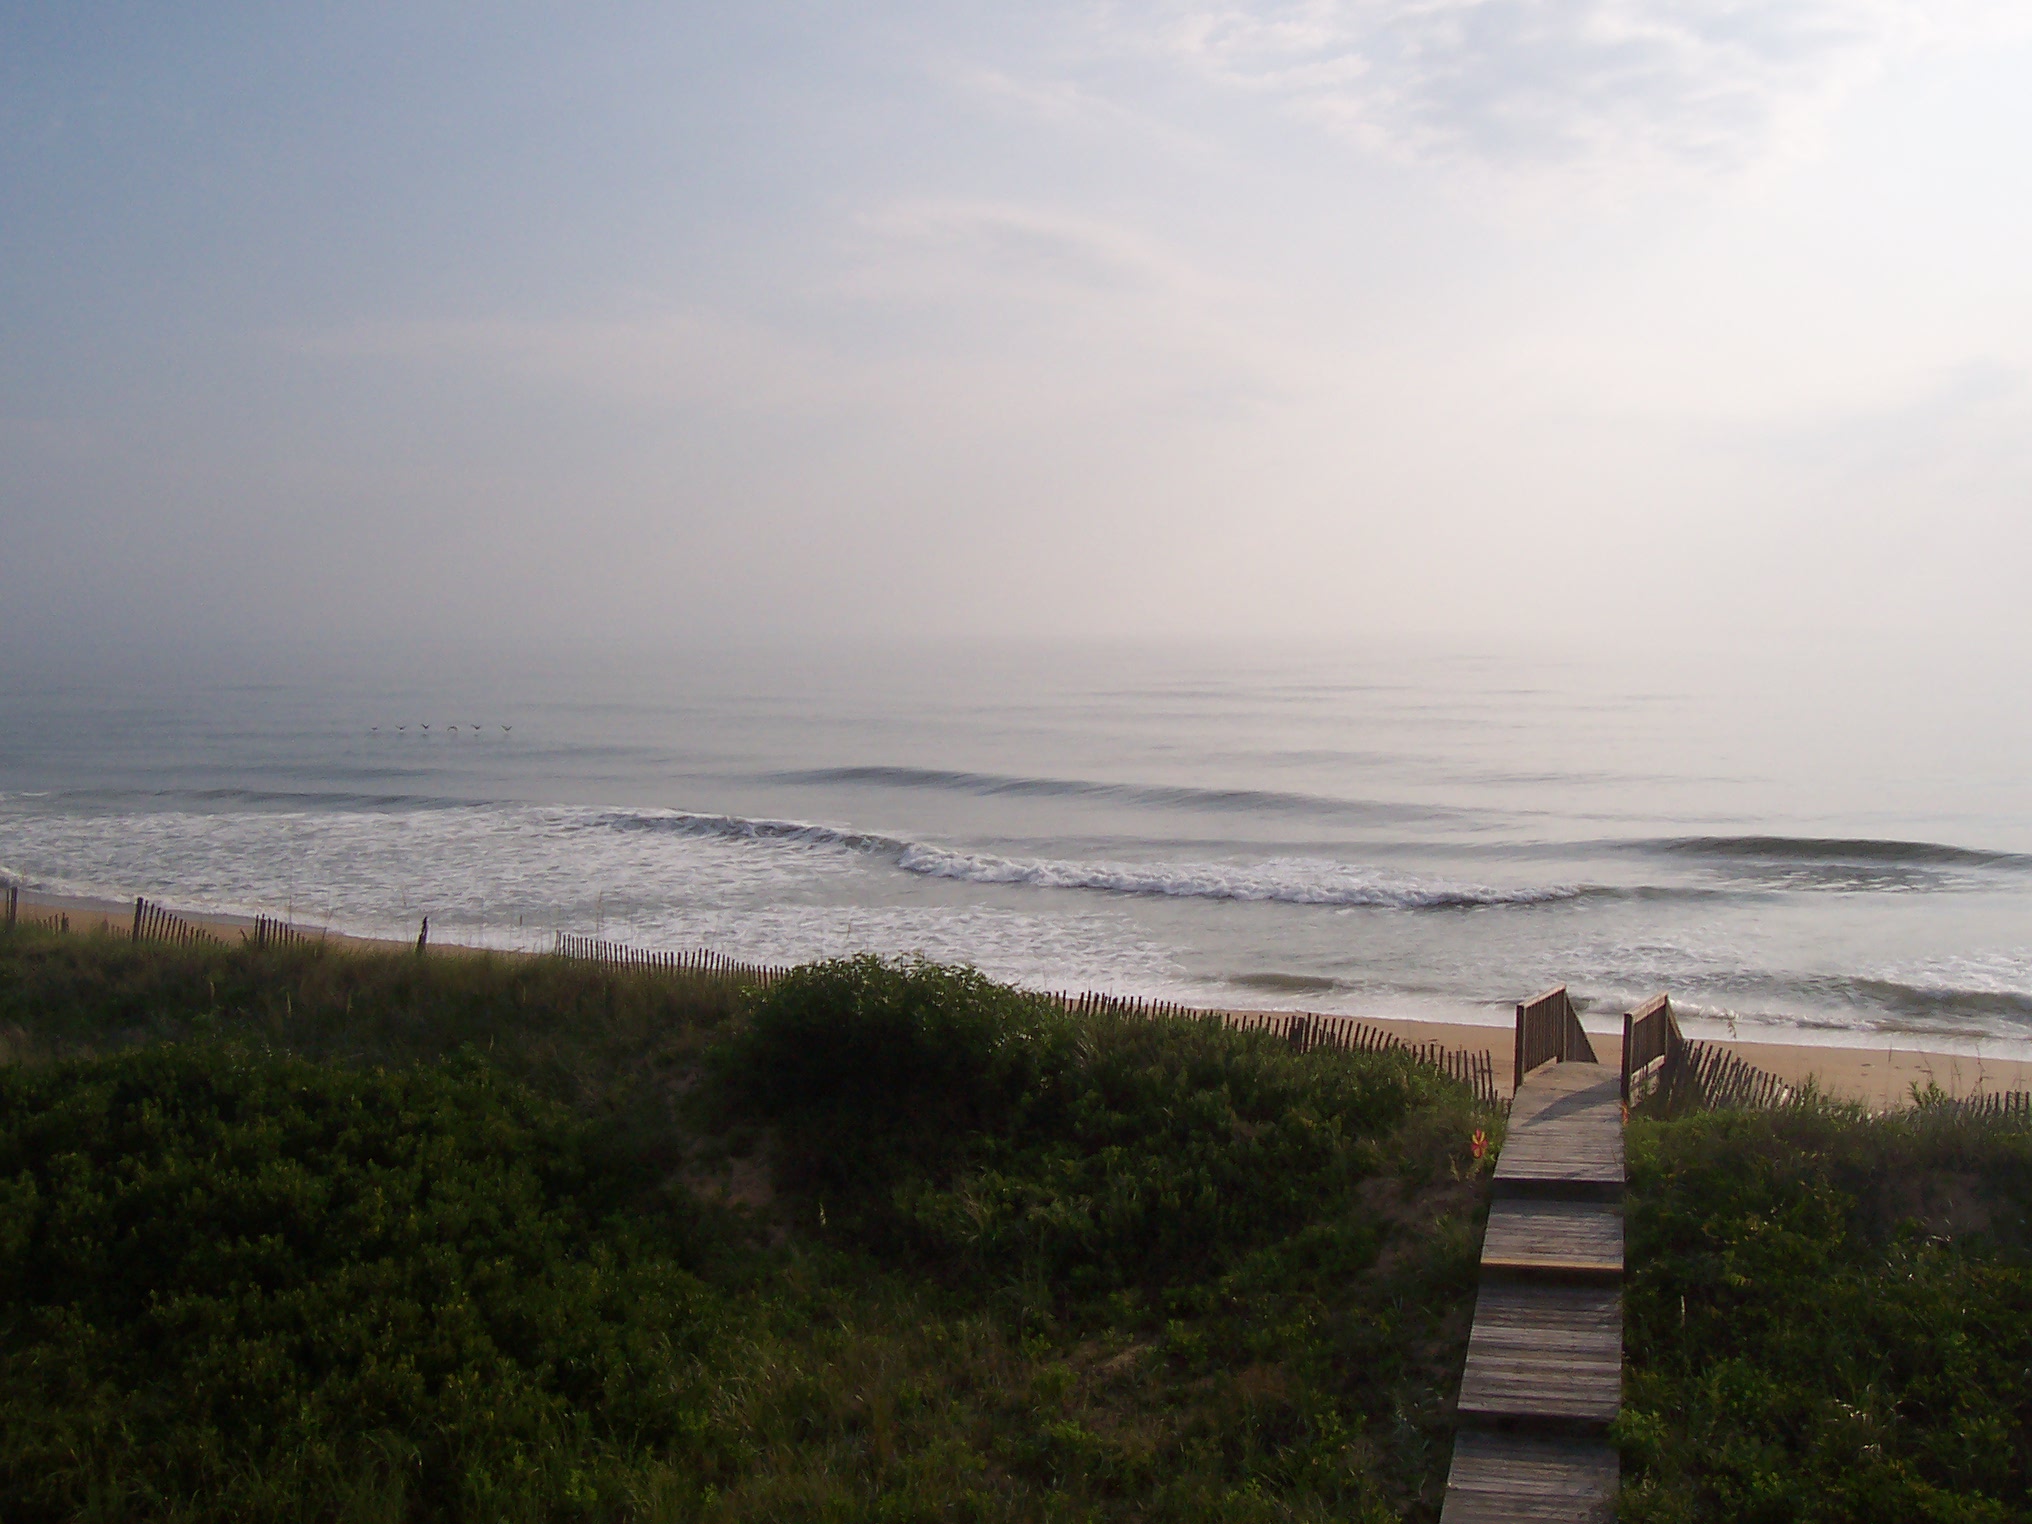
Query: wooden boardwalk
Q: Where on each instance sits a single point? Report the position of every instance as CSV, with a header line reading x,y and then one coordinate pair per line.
x,y
1576,1241
1544,1374
1565,1138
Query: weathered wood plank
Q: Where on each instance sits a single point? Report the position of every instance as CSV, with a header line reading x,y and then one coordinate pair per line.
x,y
1557,1240
1544,1356
1544,1372
1565,1136
1530,1479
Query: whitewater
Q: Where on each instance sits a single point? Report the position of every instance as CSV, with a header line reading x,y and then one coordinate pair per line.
x,y
1809,844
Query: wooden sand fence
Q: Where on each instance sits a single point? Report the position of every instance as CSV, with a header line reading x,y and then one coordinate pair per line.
x,y
2012,1106
1712,1077
15,914
1304,1031
154,924
698,964
1690,1076
1309,1032
1701,1076
269,932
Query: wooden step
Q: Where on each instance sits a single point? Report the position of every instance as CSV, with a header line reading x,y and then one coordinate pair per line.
x,y
1564,1140
1530,1479
1554,1241
1547,1358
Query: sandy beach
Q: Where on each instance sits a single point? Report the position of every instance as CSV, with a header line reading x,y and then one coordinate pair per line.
x,y
90,915
1879,1076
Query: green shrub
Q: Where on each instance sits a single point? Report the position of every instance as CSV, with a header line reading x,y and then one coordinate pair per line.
x,y
1829,1318
247,1280
874,1069
988,1133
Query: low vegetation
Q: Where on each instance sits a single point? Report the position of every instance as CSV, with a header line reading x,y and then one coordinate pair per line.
x,y
290,1236
1829,1317
361,1236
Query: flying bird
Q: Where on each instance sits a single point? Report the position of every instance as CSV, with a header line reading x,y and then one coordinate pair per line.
x,y
506,728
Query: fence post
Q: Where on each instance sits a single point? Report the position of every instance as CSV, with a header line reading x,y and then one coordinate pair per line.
x,y
137,917
422,936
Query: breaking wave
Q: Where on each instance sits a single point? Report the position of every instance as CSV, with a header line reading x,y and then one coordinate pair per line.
x,y
1285,880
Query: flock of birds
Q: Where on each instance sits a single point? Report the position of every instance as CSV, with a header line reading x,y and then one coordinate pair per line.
x,y
451,729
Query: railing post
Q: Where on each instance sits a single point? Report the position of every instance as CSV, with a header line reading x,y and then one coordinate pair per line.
x,y
1626,1060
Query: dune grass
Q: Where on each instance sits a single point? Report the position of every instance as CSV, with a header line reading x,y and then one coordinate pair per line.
x,y
372,1236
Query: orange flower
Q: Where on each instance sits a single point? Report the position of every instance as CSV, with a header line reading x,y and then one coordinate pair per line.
x,y
1481,1143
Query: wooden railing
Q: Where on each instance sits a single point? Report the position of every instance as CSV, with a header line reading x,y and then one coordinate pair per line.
x,y
1549,1030
1305,1031
1650,1038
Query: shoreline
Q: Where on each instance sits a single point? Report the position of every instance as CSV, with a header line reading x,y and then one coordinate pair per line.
x,y
1878,1073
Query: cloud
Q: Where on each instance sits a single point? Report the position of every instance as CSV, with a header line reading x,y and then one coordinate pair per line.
x,y
1712,83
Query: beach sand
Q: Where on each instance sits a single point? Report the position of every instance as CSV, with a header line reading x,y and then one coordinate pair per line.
x,y
87,915
1880,1076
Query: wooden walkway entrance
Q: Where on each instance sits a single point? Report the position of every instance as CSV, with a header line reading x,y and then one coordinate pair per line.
x,y
1544,1373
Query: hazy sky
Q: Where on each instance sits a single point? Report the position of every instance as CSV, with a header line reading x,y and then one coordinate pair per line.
x,y
1314,319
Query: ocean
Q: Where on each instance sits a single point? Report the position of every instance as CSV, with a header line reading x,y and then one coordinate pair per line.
x,y
1807,845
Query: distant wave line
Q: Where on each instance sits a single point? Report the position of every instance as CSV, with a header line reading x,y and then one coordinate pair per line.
x,y
1162,795
1779,995
1835,851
